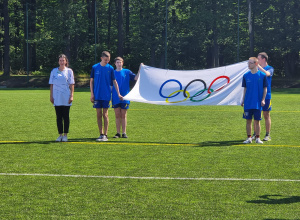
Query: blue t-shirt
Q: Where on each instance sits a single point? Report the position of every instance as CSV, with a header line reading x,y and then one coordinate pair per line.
x,y
269,78
122,78
255,84
103,79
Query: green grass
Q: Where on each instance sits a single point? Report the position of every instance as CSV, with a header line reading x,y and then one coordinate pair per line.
x,y
164,141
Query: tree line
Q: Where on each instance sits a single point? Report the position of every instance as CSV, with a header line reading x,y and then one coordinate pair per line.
x,y
173,34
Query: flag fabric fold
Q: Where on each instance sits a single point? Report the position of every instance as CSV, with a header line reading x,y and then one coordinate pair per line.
x,y
216,86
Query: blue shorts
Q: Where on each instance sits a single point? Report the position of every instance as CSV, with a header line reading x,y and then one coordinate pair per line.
x,y
101,104
268,105
249,113
121,105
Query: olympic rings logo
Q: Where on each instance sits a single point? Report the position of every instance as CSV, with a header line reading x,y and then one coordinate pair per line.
x,y
187,94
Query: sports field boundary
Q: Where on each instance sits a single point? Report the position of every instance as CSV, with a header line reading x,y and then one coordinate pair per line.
x,y
148,143
148,178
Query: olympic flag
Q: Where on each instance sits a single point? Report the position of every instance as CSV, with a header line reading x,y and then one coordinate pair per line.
x,y
217,86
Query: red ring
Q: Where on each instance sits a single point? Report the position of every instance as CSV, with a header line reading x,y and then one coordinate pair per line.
x,y
226,77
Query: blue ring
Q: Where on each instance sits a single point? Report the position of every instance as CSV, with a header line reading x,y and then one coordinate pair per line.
x,y
167,97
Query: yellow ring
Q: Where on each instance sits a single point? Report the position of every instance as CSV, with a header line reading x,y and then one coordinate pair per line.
x,y
188,95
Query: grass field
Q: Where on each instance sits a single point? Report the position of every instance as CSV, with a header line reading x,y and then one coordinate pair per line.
x,y
178,162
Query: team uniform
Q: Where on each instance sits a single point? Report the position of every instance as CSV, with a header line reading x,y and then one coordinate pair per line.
x,y
122,77
255,84
103,80
268,105
61,81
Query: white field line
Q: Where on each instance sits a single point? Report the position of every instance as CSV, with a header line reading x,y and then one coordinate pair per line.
x,y
149,178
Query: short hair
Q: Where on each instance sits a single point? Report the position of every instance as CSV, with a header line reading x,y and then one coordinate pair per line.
x,y
119,58
65,57
105,54
263,55
254,58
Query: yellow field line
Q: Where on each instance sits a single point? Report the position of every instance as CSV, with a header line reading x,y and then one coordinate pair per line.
x,y
199,110
155,144
168,144
265,145
132,143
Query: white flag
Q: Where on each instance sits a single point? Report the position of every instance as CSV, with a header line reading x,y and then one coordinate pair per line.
x,y
217,86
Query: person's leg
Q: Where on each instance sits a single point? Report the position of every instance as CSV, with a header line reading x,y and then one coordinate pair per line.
x,y
99,120
267,118
66,119
249,127
106,120
254,128
118,119
59,118
66,122
248,130
124,120
257,128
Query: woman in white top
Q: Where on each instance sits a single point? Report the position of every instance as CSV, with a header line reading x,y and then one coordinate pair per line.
x,y
61,95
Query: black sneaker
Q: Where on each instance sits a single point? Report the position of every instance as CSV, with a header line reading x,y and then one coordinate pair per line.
x,y
124,135
117,135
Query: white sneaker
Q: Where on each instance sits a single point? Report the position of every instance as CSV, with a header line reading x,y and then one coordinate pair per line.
x,y
267,138
64,138
59,139
248,141
102,137
253,137
258,141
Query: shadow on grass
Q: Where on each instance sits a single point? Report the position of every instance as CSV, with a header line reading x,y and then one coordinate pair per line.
x,y
126,141
200,144
276,199
219,143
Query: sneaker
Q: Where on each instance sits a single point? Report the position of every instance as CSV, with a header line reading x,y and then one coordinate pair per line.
x,y
258,141
248,141
100,137
104,138
124,135
64,138
59,139
117,135
253,137
267,138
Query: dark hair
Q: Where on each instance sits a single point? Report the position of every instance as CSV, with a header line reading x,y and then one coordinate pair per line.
x,y
66,58
264,55
105,54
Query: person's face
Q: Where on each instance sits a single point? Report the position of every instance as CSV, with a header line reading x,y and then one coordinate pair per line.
x,y
251,64
62,61
105,60
260,60
119,64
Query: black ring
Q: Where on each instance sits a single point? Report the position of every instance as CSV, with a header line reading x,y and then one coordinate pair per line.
x,y
184,91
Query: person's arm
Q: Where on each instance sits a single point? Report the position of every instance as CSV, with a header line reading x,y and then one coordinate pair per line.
x,y
138,74
243,99
117,89
92,89
264,96
72,93
51,94
263,70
